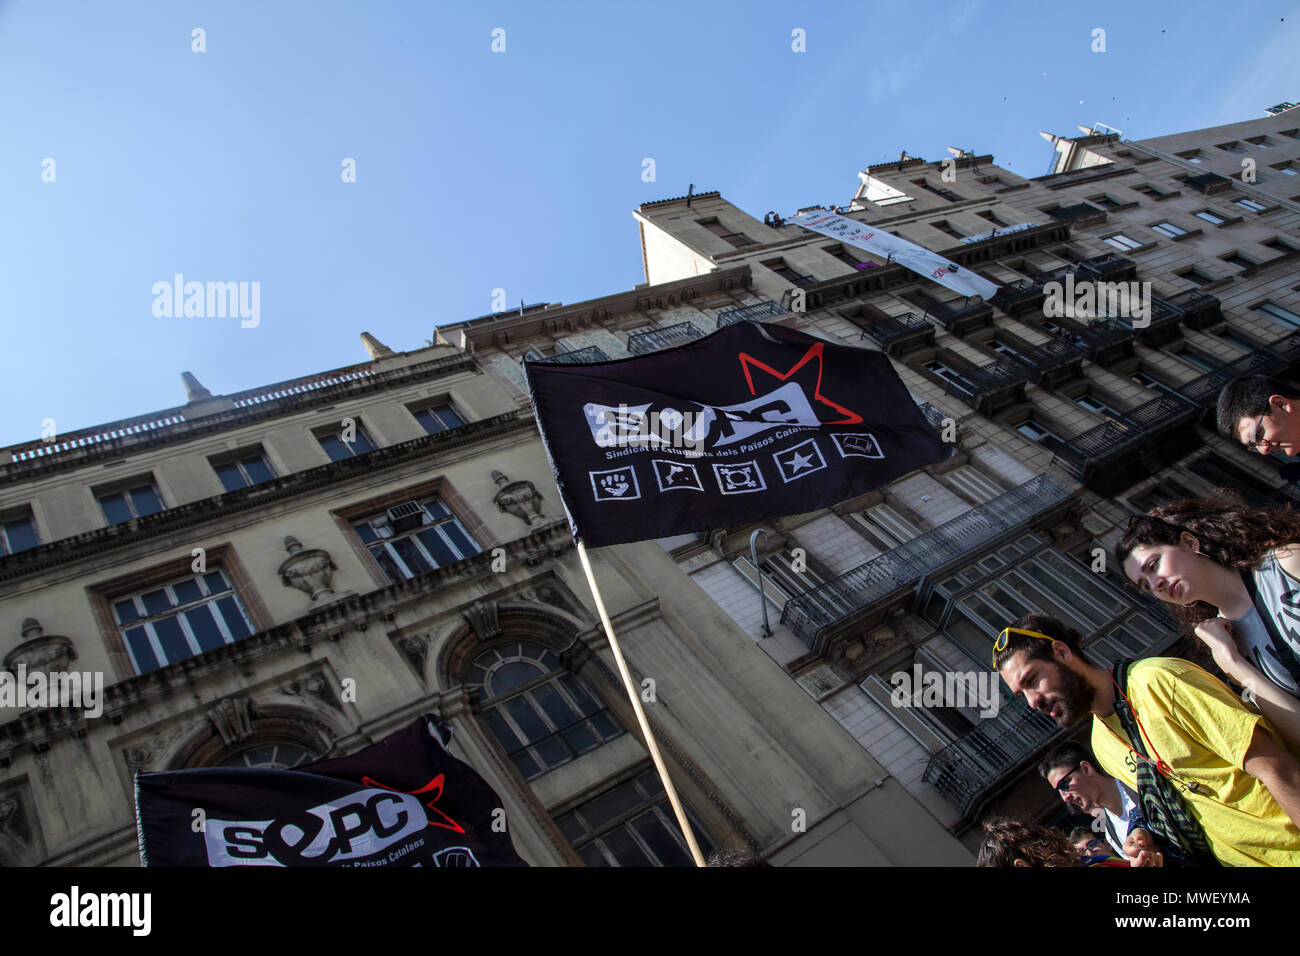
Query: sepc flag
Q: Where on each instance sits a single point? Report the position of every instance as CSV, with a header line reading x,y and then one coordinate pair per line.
x,y
751,422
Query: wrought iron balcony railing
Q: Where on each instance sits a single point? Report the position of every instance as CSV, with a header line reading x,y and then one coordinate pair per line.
x,y
1043,362
989,386
1016,298
1287,347
1114,454
955,317
1209,183
1108,267
813,614
1079,214
1196,308
1101,339
892,333
591,353
935,416
1204,389
750,313
652,340
1160,327
968,767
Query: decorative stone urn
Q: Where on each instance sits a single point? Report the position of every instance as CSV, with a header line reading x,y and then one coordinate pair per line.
x,y
39,651
519,498
308,571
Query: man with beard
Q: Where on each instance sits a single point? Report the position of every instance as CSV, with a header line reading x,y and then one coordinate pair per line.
x,y
1240,784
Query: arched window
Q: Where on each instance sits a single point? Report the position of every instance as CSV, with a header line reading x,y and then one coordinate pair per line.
x,y
269,756
542,715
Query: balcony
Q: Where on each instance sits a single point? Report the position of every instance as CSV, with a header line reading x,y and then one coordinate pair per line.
x,y
577,357
1162,327
1051,362
933,415
1209,183
894,334
1198,309
1204,389
750,313
1287,347
957,318
1017,298
1102,340
1110,267
1080,214
652,340
965,770
1115,454
820,612
987,388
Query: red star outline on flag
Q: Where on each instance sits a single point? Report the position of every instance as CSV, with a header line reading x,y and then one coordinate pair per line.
x,y
814,352
435,786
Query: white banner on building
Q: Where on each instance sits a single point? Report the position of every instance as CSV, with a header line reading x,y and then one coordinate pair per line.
x,y
1000,232
891,247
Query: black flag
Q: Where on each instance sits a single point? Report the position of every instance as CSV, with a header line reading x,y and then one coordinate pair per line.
x,y
751,422
404,801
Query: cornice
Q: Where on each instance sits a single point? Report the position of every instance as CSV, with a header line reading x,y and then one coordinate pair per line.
x,y
105,540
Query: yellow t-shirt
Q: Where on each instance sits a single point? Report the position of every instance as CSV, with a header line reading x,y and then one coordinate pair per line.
x,y
1202,730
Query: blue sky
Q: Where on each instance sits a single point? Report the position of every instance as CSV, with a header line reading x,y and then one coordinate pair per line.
x,y
478,170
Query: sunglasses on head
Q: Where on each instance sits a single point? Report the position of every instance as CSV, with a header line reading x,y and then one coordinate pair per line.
x,y
1000,644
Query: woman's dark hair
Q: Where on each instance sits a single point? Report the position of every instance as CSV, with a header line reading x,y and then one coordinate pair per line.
x,y
1008,840
1229,531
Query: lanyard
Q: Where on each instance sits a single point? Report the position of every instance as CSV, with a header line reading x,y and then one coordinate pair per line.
x,y
1161,767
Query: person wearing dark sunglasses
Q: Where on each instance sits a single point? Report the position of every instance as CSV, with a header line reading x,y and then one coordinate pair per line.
x,y
1231,576
1073,773
1237,784
1262,413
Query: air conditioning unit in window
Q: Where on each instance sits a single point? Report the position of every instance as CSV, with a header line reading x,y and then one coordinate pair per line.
x,y
407,516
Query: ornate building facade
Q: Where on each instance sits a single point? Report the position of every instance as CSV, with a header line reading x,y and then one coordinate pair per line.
x,y
266,577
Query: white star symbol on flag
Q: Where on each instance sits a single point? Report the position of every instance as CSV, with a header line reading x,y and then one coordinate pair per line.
x,y
799,461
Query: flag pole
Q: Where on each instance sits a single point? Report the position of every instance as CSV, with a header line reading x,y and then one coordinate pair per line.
x,y
640,714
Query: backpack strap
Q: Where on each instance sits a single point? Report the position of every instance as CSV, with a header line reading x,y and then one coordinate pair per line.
x,y
1283,653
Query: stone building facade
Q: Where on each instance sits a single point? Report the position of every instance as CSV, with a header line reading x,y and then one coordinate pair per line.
x,y
270,576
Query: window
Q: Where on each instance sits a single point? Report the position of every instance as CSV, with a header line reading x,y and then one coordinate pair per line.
x,y
846,257
1169,229
993,217
242,470
1191,155
946,228
889,525
1122,242
1097,406
1259,142
1037,432
272,756
1250,204
1146,189
942,193
632,825
1105,201
973,485
1290,133
18,532
780,267
783,576
1197,276
1211,218
1284,317
1236,341
343,442
1146,381
542,715
737,239
943,371
1238,260
1288,168
437,417
1002,348
1233,147
1279,245
1196,359
180,619
137,500
414,538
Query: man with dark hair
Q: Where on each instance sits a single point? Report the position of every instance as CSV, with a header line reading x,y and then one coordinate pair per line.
x,y
1262,413
1239,784
1069,768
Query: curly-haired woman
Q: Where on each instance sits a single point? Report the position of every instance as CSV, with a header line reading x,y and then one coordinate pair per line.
x,y
1218,561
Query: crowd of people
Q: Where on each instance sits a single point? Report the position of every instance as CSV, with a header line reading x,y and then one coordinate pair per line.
x,y
1182,769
